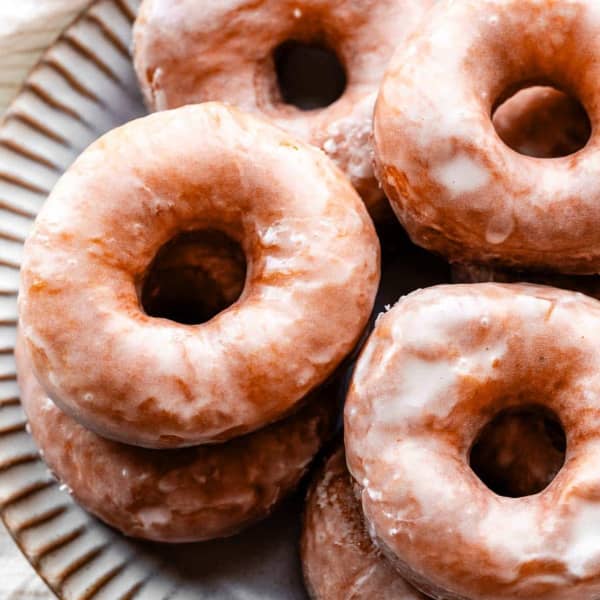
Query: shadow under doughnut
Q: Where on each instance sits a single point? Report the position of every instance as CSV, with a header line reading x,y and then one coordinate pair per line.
x,y
472,273
194,277
542,122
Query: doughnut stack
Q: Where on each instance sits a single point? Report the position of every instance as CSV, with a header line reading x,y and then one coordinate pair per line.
x,y
175,431
468,468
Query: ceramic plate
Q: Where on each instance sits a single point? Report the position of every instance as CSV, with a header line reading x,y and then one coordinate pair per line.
x,y
83,86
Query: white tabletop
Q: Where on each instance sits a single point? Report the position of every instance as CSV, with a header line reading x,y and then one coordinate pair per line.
x,y
26,28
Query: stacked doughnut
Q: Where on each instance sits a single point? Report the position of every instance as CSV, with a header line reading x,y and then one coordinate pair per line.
x,y
178,430
196,279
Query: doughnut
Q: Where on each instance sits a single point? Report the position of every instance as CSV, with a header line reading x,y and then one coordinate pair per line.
x,y
181,495
452,182
185,53
439,367
542,122
339,559
470,273
312,272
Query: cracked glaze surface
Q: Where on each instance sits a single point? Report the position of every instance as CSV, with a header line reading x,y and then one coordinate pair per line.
x,y
313,270
438,366
452,182
339,560
186,53
183,495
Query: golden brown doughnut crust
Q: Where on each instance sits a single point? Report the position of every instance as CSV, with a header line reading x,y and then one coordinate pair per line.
x,y
339,560
183,495
455,186
438,367
312,275
187,52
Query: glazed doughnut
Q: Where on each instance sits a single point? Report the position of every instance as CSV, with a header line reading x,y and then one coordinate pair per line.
x,y
542,122
183,495
455,186
469,273
312,274
339,559
439,366
185,52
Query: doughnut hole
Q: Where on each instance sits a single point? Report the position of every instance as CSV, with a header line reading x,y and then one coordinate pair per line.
x,y
194,277
542,122
309,76
520,451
